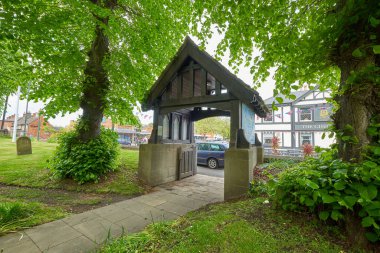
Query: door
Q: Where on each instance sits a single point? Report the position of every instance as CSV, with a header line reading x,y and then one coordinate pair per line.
x,y
187,162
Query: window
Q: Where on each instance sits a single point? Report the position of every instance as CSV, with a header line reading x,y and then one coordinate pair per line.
x,y
176,129
216,147
305,114
267,139
269,117
204,146
306,138
165,127
184,129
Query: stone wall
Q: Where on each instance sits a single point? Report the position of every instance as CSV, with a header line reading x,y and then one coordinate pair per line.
x,y
158,163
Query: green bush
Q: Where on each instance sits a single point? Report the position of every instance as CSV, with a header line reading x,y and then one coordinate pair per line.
x,y
86,161
333,188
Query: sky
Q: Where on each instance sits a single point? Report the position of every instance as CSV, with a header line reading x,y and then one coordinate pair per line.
x,y
266,90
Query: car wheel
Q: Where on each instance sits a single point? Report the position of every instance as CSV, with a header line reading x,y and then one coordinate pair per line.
x,y
212,163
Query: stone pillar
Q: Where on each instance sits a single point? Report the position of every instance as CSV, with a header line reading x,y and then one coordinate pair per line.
x,y
238,171
260,154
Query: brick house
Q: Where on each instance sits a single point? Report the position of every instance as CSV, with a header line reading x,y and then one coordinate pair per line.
x,y
31,125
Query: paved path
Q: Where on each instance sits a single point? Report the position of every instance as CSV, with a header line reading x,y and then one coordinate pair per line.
x,y
203,170
87,231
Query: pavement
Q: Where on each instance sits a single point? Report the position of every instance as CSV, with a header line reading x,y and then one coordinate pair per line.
x,y
204,170
87,231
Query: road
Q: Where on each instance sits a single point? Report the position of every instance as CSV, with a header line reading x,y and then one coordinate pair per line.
x,y
203,170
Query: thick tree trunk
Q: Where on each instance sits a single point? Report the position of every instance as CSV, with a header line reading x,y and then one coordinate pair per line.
x,y
96,84
4,112
358,103
358,97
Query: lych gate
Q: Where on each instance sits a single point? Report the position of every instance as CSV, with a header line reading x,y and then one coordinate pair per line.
x,y
195,86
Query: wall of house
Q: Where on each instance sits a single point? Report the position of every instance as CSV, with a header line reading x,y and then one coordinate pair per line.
x,y
32,129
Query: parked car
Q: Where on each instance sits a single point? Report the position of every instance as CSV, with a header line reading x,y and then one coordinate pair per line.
x,y
211,154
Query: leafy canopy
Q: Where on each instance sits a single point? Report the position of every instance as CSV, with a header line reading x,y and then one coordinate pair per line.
x,y
46,42
296,39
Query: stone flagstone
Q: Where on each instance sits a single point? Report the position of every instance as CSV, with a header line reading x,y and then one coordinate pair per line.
x,y
86,231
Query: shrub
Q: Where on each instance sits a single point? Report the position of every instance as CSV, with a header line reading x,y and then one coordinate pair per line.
x,y
275,144
307,149
85,161
333,188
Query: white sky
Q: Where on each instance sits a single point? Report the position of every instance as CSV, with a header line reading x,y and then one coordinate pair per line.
x,y
266,91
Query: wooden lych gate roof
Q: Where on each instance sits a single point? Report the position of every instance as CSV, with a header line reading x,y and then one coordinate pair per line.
x,y
189,52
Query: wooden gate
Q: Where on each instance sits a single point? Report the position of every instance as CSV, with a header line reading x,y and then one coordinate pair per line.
x,y
187,162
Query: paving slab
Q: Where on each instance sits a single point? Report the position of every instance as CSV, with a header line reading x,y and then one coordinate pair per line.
x,y
77,245
87,231
17,242
51,234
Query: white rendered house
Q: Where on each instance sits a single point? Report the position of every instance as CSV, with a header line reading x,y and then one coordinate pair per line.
x,y
297,122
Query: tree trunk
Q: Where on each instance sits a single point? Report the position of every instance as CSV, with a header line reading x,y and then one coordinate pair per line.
x,y
359,96
96,84
4,112
357,106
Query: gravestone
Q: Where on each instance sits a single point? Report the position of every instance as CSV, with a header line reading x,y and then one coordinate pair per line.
x,y
24,146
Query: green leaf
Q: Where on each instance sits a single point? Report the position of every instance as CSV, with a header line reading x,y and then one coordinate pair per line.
x,y
326,198
367,192
368,221
340,185
358,53
374,21
350,200
372,237
280,100
336,215
376,49
311,184
324,215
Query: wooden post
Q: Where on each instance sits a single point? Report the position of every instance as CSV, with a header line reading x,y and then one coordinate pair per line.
x,y
235,121
39,126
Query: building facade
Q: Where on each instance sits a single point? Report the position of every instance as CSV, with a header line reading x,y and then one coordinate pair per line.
x,y
35,125
297,122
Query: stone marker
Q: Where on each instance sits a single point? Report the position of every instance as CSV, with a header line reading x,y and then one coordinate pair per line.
x,y
24,146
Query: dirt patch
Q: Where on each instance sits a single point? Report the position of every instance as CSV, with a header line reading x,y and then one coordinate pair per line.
x,y
70,201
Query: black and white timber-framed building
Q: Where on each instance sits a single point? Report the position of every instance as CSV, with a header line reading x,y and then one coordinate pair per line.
x,y
297,122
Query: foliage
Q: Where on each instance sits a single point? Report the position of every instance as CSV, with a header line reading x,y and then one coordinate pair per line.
x,y
31,171
275,144
19,215
268,171
47,42
307,149
333,189
213,125
241,226
86,161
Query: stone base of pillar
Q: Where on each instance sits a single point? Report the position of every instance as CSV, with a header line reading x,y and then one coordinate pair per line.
x,y
238,171
158,163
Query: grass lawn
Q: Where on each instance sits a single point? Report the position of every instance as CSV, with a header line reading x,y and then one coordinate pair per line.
x,y
27,183
244,226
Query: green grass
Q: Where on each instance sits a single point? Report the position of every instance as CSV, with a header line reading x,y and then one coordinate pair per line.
x,y
243,226
31,170
30,193
15,215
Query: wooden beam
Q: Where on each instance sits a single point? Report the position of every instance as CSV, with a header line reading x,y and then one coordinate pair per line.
x,y
203,82
225,106
198,115
217,88
235,121
197,101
